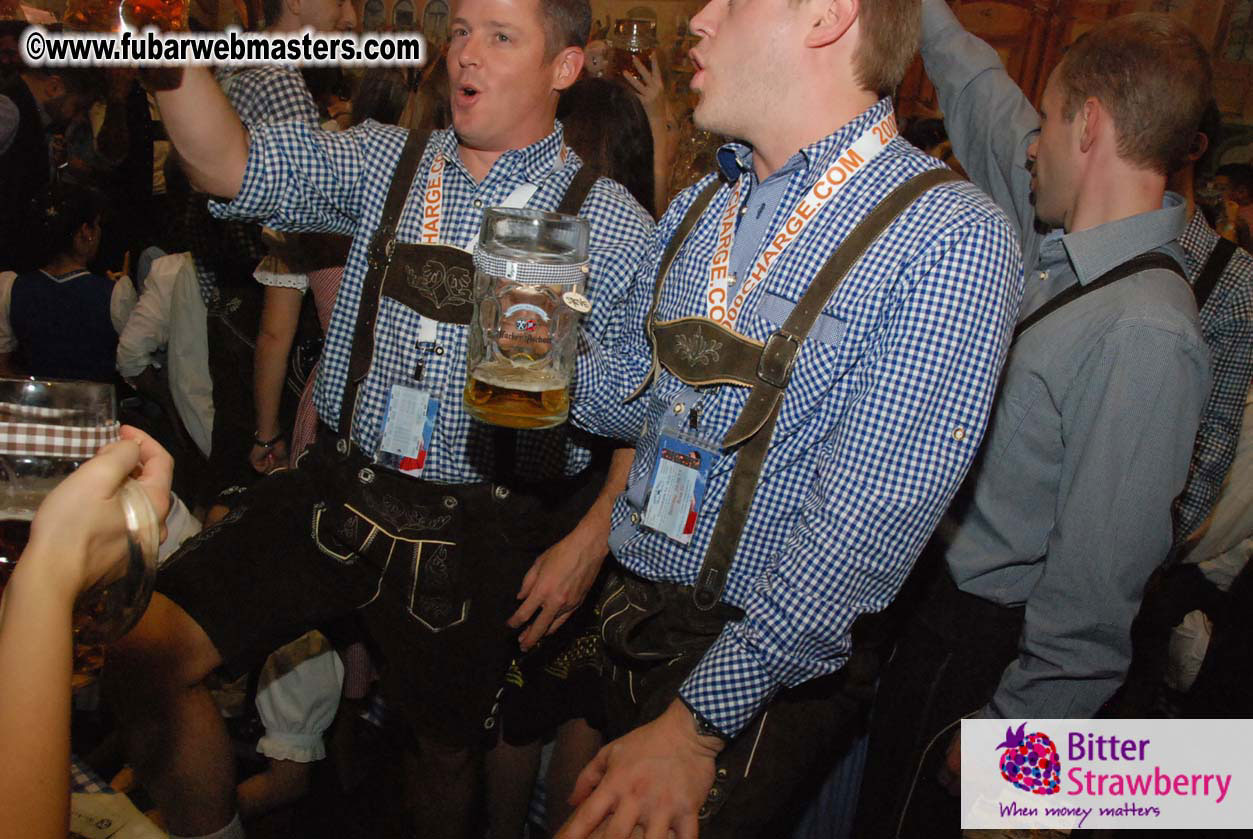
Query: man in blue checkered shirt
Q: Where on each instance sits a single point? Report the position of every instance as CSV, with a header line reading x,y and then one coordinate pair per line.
x,y
432,549
881,417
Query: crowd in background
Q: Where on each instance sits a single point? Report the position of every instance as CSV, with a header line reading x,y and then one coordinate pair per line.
x,y
114,269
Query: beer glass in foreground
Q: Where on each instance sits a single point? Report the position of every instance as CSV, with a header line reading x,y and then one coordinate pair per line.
x,y
530,274
47,429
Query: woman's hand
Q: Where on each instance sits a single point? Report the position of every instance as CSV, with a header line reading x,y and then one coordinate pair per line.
x,y
79,533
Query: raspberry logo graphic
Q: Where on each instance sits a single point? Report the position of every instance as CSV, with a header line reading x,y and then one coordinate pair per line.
x,y
1030,761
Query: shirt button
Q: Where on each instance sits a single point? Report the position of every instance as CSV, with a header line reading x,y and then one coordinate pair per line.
x,y
501,492
959,434
1044,276
635,518
680,408
439,350
478,202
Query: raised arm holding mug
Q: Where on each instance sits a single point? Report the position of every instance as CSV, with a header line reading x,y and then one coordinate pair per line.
x,y
430,545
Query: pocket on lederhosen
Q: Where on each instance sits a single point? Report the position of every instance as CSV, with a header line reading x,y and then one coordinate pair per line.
x,y
653,636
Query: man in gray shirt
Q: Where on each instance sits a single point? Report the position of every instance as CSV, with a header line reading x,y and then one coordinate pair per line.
x,y
1068,509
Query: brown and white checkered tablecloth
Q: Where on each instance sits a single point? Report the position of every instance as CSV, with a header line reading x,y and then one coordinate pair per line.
x,y
23,435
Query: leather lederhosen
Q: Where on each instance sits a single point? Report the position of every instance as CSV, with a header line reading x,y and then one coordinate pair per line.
x,y
450,557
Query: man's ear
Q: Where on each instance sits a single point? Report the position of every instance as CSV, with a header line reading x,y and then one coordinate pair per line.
x,y
1198,147
566,67
1093,121
836,17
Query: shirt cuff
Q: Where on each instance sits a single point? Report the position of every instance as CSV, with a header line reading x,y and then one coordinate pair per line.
x,y
298,748
729,687
259,194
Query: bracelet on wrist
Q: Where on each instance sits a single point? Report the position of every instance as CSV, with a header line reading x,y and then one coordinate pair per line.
x,y
267,444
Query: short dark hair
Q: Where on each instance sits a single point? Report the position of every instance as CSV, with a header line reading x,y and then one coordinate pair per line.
x,y
1152,75
567,23
57,214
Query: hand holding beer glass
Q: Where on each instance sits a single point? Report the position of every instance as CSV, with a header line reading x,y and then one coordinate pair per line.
x,y
631,38
530,274
47,430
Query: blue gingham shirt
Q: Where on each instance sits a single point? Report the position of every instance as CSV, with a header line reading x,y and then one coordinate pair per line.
x,y
268,94
300,178
258,95
884,411
1227,324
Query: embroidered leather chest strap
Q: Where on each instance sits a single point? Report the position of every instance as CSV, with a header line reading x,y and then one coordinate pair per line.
x,y
756,421
667,258
382,247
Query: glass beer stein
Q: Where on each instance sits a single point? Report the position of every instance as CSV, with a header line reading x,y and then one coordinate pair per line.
x,y
47,429
630,38
530,274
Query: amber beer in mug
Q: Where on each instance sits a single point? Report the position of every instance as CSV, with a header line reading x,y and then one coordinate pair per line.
x,y
530,270
498,393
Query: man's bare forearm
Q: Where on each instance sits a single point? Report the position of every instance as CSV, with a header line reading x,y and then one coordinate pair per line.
x,y
211,141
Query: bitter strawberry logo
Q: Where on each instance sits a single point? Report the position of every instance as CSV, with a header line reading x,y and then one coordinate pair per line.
x,y
1030,761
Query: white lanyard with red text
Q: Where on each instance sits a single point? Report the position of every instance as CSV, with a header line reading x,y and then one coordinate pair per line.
x,y
861,152
433,197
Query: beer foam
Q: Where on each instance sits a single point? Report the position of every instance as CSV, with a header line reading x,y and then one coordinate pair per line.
x,y
519,377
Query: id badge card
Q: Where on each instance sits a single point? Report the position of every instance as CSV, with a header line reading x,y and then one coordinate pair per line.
x,y
677,486
408,428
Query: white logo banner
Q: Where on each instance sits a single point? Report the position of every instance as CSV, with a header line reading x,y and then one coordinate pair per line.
x,y
1068,774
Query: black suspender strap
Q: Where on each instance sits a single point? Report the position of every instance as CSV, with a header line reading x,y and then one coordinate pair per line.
x,y
757,419
1143,262
380,256
1213,271
577,192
